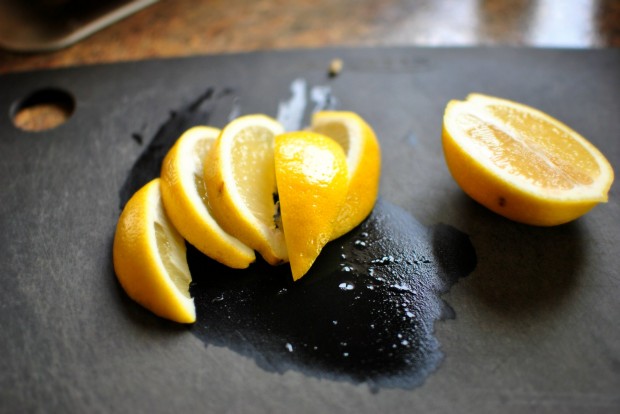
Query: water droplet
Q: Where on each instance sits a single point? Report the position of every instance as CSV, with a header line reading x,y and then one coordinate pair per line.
x,y
404,342
345,354
384,260
400,287
346,286
335,322
282,291
370,287
347,269
218,298
360,244
289,347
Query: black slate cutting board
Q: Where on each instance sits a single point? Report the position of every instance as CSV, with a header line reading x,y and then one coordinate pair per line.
x,y
535,326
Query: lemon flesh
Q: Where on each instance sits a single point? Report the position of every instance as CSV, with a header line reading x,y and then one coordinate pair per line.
x,y
149,257
312,177
522,163
240,179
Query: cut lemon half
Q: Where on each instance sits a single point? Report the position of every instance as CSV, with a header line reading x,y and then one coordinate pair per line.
x,y
149,257
312,178
522,163
185,199
241,185
363,155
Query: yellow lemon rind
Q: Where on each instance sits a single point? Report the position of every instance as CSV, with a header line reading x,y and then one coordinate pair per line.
x,y
137,263
312,178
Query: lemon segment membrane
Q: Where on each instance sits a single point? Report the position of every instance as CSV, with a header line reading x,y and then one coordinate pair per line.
x,y
540,154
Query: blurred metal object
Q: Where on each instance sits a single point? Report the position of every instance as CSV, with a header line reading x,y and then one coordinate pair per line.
x,y
46,25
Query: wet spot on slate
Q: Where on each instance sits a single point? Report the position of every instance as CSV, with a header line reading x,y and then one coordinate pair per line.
x,y
138,138
200,111
364,313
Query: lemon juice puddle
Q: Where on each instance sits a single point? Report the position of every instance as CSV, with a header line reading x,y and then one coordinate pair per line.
x,y
364,313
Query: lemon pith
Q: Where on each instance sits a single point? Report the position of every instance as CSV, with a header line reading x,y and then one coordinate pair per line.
x,y
521,163
186,202
149,257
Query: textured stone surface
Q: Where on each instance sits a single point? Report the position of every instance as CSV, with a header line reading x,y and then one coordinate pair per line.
x,y
535,326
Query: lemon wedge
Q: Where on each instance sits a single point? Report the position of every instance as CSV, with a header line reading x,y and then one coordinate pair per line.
x,y
149,257
240,178
185,199
312,180
363,155
521,163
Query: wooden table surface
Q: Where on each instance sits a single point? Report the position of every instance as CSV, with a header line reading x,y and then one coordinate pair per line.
x,y
173,28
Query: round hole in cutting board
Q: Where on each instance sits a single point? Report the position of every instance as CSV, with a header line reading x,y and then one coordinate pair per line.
x,y
43,109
